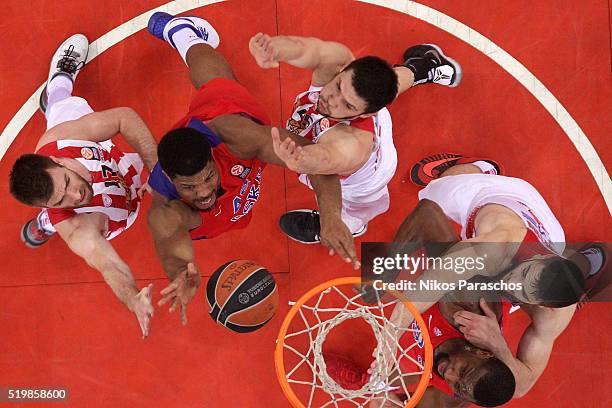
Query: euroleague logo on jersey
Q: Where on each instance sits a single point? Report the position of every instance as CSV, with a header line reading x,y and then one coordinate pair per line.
x,y
237,169
87,153
324,124
106,200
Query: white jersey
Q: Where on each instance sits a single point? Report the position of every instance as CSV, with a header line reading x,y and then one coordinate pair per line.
x,y
461,196
369,182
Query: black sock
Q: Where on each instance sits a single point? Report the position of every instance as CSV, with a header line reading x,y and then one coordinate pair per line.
x,y
419,67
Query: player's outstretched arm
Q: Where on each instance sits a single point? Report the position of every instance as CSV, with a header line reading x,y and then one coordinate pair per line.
x,y
101,126
247,139
83,234
169,223
324,58
343,150
536,344
335,235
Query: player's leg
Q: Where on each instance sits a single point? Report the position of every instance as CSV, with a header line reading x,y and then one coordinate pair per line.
x,y
195,39
56,100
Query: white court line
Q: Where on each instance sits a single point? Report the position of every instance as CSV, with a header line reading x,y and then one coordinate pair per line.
x,y
114,36
521,74
414,9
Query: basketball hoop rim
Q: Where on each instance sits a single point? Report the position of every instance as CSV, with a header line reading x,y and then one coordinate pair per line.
x,y
280,342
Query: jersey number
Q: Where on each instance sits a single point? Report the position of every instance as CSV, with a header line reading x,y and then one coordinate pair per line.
x,y
107,172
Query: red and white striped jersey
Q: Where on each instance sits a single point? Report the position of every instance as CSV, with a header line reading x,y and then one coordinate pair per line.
x,y
116,178
372,178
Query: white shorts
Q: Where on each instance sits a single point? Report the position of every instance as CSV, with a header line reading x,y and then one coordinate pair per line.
x,y
71,108
459,196
364,193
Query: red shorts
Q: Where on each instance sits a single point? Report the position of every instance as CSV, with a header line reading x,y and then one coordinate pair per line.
x,y
222,96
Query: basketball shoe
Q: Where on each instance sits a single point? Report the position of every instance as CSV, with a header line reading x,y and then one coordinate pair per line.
x,y
164,26
68,60
430,65
305,226
33,234
432,167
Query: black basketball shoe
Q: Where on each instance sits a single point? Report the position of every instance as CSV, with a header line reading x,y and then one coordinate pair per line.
x,y
305,226
431,66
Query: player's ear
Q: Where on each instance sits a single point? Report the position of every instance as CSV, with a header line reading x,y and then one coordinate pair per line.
x,y
483,353
367,115
58,160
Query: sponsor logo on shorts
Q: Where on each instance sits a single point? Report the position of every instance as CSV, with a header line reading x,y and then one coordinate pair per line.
x,y
437,332
237,169
243,298
107,200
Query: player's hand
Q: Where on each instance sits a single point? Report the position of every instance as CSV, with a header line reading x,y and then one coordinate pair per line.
x,y
144,189
481,331
263,50
141,306
181,290
295,157
336,237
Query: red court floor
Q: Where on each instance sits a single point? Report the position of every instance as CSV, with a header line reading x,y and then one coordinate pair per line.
x,y
60,325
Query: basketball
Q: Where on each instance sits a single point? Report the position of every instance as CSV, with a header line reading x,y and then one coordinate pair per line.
x,y
242,296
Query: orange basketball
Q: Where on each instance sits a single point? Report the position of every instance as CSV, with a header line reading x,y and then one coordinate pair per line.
x,y
242,296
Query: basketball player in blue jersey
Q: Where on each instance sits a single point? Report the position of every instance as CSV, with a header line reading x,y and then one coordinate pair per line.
x,y
210,165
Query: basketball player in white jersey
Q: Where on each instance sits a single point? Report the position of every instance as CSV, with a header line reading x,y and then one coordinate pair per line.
x,y
343,113
491,208
87,187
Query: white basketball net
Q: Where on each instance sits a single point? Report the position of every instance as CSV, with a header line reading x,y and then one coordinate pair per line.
x,y
384,383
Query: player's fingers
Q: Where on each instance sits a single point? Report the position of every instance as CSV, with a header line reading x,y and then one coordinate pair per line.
x,y
465,314
168,289
183,314
192,272
349,247
166,298
175,304
462,321
486,309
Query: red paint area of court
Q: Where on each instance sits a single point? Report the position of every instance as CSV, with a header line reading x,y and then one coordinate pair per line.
x,y
62,326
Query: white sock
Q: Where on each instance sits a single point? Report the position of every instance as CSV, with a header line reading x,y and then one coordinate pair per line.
x,y
485,167
595,258
185,39
58,89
